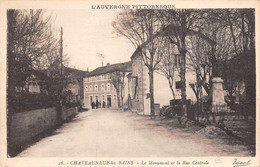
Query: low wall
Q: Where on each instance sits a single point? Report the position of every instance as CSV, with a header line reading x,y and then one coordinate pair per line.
x,y
68,113
26,125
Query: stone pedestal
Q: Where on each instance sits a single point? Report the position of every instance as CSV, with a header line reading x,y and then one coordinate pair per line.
x,y
218,102
217,93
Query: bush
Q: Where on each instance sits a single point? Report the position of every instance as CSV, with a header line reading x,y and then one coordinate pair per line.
x,y
28,101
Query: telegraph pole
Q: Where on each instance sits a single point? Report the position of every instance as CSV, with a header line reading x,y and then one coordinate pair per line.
x,y
61,51
59,109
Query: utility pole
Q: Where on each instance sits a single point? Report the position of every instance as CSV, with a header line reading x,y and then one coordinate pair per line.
x,y
59,109
61,51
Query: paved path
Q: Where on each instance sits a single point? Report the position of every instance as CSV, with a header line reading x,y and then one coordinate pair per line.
x,y
112,133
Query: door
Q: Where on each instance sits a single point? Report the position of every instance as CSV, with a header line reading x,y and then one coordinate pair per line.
x,y
90,100
108,101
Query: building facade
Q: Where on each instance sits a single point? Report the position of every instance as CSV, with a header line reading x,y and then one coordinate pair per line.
x,y
138,82
98,88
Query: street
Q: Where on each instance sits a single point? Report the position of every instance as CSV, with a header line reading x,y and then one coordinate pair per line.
x,y
114,133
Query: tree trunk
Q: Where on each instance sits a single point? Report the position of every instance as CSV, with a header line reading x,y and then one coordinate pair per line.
x,y
183,81
232,32
122,98
151,92
170,85
118,99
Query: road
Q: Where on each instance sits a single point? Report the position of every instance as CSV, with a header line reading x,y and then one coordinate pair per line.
x,y
113,133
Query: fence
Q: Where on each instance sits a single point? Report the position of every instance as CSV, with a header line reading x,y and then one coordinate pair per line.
x,y
207,113
239,121
220,109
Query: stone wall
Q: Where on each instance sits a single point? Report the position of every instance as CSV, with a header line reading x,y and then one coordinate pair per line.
x,y
26,126
68,113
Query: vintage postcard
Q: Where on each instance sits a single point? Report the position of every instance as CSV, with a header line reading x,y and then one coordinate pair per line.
x,y
129,84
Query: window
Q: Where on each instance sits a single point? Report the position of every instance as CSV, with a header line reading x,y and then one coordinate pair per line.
x,y
108,87
178,84
86,88
102,87
96,88
90,88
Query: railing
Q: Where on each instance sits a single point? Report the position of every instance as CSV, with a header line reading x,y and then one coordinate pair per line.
x,y
220,109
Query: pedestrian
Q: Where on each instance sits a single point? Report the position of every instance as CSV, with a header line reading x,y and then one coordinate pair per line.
x,y
96,103
93,105
104,104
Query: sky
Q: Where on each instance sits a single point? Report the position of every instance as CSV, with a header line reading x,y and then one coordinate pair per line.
x,y
88,32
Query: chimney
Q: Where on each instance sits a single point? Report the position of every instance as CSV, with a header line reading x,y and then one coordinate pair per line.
x,y
87,70
108,64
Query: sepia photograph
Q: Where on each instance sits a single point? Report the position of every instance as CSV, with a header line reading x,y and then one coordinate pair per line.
x,y
136,81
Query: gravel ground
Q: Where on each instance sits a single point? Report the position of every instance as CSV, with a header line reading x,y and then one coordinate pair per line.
x,y
113,133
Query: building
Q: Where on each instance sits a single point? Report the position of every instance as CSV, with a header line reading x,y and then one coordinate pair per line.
x,y
74,87
34,83
138,89
98,87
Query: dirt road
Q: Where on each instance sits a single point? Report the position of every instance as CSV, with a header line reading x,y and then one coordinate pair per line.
x,y
112,133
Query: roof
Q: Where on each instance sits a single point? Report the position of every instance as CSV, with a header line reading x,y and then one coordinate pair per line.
x,y
123,67
136,53
75,73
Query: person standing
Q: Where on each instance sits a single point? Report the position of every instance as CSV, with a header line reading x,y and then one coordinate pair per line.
x,y
96,103
104,104
93,105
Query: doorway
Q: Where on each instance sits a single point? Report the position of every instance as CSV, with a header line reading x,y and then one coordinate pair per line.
x,y
90,100
108,101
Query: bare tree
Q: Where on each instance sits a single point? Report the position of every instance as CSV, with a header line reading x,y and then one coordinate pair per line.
x,y
30,41
118,81
233,31
242,27
143,29
178,24
168,63
101,57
